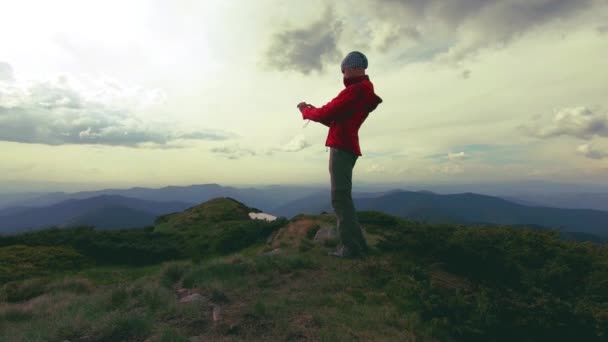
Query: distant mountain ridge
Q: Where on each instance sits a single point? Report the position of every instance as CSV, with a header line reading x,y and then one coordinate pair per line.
x,y
104,212
265,198
461,208
466,208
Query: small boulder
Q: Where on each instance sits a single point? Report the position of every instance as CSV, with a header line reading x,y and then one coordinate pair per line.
x,y
195,297
326,233
216,313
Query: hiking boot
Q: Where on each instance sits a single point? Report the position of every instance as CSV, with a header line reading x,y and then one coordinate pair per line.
x,y
340,252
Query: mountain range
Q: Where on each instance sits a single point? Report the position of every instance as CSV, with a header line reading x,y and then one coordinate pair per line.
x,y
266,198
463,208
103,212
138,207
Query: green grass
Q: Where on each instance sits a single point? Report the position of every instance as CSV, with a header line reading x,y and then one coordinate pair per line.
x,y
495,284
282,297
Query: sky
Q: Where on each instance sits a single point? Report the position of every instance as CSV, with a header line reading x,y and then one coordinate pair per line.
x,y
151,93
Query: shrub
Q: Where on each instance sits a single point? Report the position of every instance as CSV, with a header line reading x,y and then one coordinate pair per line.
x,y
72,285
527,284
20,262
172,335
18,291
126,327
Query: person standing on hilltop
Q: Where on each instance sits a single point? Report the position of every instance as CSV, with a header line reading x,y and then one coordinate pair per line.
x,y
344,115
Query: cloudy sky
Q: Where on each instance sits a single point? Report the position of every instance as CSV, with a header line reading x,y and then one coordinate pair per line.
x,y
153,93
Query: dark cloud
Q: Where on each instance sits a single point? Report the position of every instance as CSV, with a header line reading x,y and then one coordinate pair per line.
x,y
602,29
306,49
54,113
579,122
233,152
469,24
466,74
396,34
6,72
590,152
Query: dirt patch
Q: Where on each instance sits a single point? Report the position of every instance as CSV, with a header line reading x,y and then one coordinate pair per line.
x,y
293,234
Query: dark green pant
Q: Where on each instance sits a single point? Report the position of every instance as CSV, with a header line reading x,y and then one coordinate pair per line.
x,y
341,164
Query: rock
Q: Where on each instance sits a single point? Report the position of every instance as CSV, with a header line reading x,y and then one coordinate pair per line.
x,y
216,313
326,233
195,297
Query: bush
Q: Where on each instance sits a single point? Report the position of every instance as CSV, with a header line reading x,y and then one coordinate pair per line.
x,y
172,335
72,285
18,291
125,246
20,262
126,327
527,284
215,271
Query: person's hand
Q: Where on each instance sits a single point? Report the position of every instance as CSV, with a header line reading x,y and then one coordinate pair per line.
x,y
303,105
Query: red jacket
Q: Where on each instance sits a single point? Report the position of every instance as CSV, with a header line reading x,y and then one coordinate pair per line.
x,y
345,114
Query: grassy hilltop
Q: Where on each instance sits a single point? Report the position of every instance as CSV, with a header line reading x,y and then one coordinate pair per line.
x,y
211,273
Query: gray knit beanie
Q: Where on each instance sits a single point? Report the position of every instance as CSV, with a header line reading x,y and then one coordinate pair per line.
x,y
354,59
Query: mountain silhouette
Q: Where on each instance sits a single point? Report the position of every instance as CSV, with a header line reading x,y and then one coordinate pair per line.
x,y
106,211
461,208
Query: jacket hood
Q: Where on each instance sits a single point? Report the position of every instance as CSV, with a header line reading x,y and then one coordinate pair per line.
x,y
372,100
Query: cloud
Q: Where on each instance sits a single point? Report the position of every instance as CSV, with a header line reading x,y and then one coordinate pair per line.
x,y
233,152
590,152
67,110
306,49
451,156
602,29
376,168
298,143
6,72
395,33
466,74
449,169
457,156
204,135
465,25
579,122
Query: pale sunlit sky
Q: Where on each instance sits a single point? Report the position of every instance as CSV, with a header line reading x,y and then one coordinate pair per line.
x,y
153,93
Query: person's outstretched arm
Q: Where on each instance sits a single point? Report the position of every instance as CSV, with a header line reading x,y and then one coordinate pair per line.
x,y
325,122
334,109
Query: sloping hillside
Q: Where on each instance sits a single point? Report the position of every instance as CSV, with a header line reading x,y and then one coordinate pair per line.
x,y
224,209
248,280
